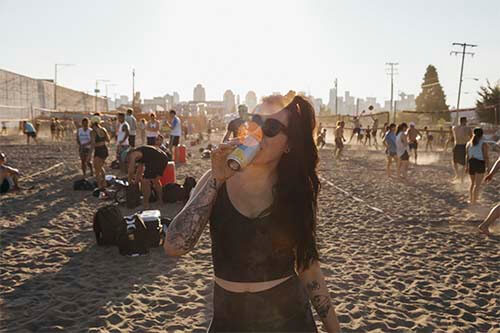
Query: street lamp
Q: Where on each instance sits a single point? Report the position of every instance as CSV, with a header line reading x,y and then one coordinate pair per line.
x,y
96,91
55,83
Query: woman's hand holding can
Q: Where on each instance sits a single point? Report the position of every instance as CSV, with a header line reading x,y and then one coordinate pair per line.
x,y
220,170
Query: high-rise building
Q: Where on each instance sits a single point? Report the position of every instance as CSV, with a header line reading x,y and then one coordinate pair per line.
x,y
251,100
199,93
229,104
331,100
176,97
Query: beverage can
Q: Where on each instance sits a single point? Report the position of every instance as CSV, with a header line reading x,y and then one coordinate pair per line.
x,y
244,154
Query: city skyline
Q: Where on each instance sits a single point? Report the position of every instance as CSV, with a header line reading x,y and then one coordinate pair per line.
x,y
175,46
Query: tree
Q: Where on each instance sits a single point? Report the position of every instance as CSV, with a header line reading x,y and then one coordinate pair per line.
x,y
432,97
488,104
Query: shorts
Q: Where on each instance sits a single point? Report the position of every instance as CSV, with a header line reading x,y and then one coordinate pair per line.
x,y
174,139
284,308
413,145
405,156
459,154
357,130
154,169
151,140
31,134
476,166
5,186
84,151
131,140
374,132
391,154
338,143
101,152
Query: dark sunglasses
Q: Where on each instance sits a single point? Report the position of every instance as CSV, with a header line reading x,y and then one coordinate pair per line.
x,y
270,127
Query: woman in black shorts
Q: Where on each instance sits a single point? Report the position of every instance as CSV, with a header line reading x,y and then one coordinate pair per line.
x,y
263,227
477,160
99,137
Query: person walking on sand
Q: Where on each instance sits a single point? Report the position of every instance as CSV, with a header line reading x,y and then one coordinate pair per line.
x,y
402,150
321,139
132,123
339,139
142,130
461,135
390,148
264,282
176,130
413,135
429,139
152,130
84,141
494,213
99,137
30,131
368,137
477,162
374,131
356,128
122,138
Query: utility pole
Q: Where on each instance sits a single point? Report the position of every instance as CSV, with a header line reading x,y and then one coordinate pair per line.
x,y
133,87
336,98
392,71
96,92
463,53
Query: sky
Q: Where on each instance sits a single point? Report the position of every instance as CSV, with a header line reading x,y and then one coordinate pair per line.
x,y
261,45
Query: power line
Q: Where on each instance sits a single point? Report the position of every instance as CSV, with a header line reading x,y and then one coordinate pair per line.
x,y
392,71
463,53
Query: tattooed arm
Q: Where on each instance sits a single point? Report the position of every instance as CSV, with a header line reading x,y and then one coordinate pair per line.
x,y
187,227
314,282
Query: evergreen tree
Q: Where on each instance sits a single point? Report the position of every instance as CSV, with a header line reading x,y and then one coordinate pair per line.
x,y
432,97
489,96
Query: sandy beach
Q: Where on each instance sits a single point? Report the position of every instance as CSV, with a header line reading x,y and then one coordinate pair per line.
x,y
398,257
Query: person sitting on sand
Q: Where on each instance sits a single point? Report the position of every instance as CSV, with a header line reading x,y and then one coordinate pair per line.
x,y
30,131
461,135
402,150
99,137
413,133
152,162
339,139
84,141
9,176
477,162
263,282
495,211
390,147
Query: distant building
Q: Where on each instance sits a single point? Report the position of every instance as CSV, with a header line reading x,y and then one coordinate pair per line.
x,y
199,93
331,100
251,100
229,103
123,100
176,98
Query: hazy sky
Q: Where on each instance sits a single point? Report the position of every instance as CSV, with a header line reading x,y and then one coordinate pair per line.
x,y
263,45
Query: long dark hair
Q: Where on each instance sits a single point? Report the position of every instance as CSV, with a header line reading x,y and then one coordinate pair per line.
x,y
478,134
401,128
296,191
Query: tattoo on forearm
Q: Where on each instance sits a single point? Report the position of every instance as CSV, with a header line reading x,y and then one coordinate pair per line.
x,y
321,302
188,225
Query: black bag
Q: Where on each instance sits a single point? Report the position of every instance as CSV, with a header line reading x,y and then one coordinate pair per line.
x,y
154,232
107,222
133,237
115,164
133,196
172,193
83,185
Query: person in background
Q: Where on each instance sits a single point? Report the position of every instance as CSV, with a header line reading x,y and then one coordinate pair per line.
x,y
402,150
122,143
339,139
321,140
495,211
160,144
237,127
449,140
53,129
84,141
9,176
4,128
385,129
99,137
209,129
461,135
477,162
368,136
175,130
30,131
413,134
390,147
374,131
142,130
132,123
266,281
357,128
442,136
429,139
185,129
152,129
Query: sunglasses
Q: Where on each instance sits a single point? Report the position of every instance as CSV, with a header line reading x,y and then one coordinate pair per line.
x,y
270,127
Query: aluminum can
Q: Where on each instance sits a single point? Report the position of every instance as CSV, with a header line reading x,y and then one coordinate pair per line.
x,y
244,154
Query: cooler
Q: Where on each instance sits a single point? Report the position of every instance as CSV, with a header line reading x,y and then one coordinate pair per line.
x,y
180,154
168,174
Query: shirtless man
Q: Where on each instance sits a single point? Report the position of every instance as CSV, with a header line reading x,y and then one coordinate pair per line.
x,y
495,211
339,139
374,132
356,129
413,133
461,135
8,176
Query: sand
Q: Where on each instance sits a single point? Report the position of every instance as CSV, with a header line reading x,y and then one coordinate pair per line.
x,y
398,257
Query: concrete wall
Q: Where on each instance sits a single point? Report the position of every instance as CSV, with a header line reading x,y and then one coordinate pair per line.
x,y
19,93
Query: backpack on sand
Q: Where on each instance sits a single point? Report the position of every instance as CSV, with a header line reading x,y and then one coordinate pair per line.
x,y
83,185
154,228
173,192
133,196
133,237
107,222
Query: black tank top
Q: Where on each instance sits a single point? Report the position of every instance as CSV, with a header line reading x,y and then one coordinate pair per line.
x,y
248,250
99,138
152,155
